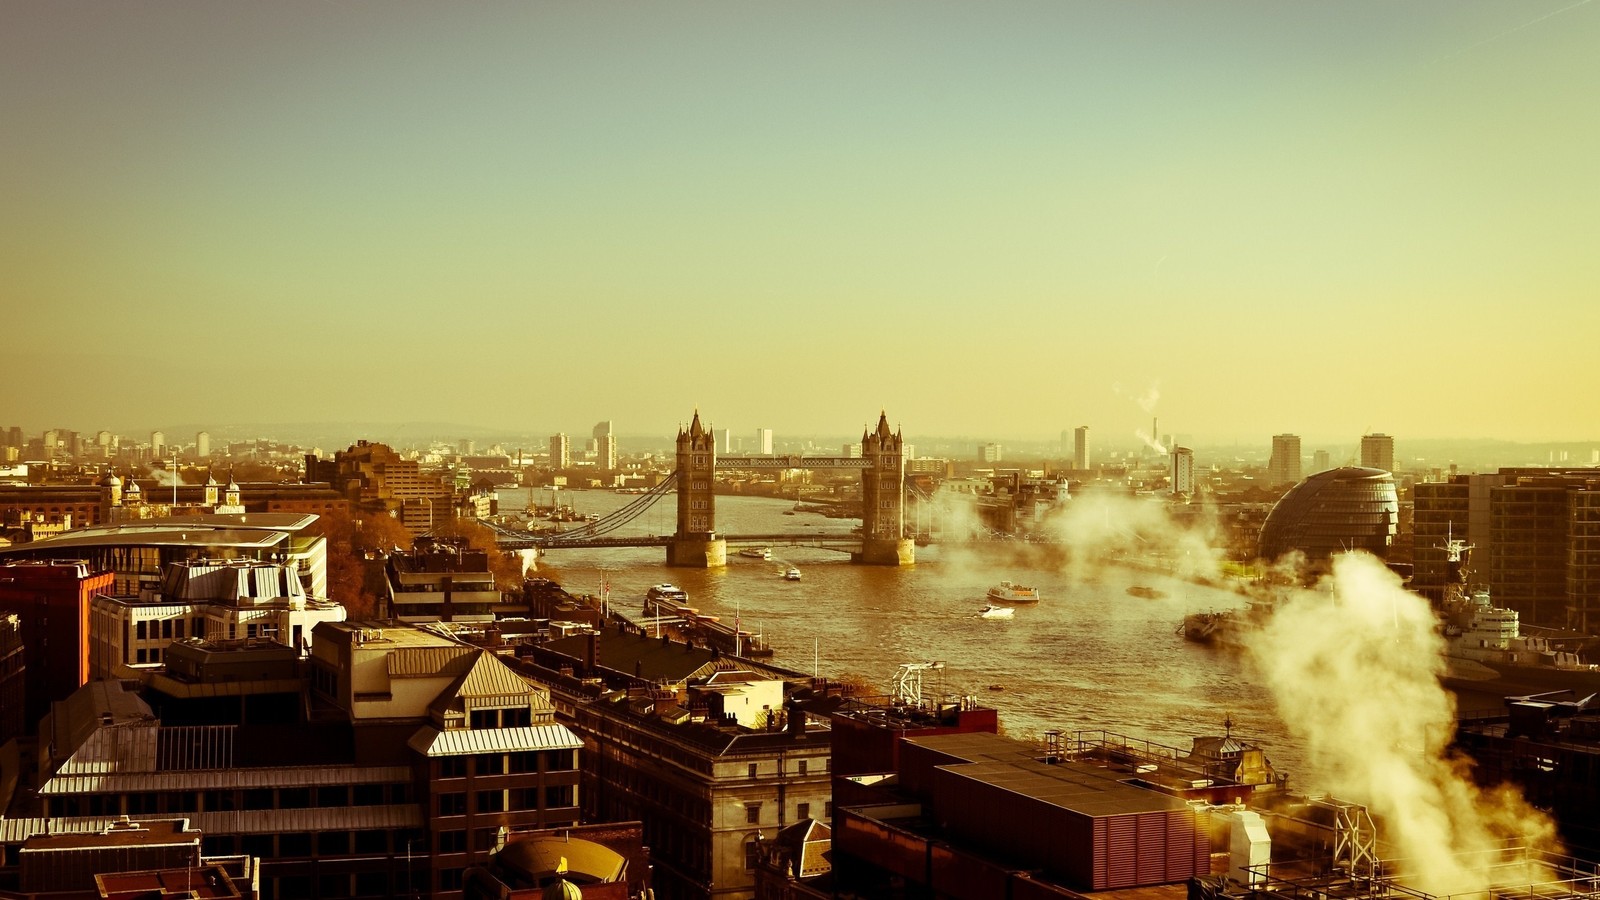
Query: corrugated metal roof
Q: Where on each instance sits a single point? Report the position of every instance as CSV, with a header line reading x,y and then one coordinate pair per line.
x,y
430,662
430,741
225,779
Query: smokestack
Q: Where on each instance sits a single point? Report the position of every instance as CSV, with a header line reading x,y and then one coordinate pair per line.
x,y
591,651
796,721
1155,435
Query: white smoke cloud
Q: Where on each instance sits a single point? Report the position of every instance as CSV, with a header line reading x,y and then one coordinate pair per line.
x,y
1150,440
1099,528
1353,666
163,477
530,560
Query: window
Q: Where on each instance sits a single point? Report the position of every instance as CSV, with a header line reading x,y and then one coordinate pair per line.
x,y
372,884
489,764
452,841
802,768
178,629
372,842
370,795
752,770
141,655
294,844
750,850
558,796
490,801
752,813
485,838
336,796
802,811
453,804
250,631
453,767
450,879
333,843
141,630
166,628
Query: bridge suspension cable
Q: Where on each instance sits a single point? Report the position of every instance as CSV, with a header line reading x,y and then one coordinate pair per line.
x,y
605,524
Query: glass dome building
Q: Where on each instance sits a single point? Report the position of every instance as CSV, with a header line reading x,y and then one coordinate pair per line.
x,y
1352,508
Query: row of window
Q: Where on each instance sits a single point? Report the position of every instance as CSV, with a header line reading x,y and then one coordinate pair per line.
x,y
557,796
507,763
752,812
146,803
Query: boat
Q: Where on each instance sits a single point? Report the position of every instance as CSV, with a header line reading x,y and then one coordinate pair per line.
x,y
667,593
995,612
1487,650
756,553
1148,593
1006,592
792,574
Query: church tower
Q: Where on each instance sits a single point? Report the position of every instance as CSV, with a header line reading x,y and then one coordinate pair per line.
x,y
696,544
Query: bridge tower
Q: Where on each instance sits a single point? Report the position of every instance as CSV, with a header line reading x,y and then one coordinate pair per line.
x,y
696,545
883,500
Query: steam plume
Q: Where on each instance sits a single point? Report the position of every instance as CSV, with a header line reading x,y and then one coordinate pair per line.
x,y
164,477
1353,666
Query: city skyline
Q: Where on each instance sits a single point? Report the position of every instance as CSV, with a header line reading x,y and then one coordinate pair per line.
x,y
1243,218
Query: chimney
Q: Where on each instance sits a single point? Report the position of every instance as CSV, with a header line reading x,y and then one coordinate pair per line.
x,y
796,721
590,651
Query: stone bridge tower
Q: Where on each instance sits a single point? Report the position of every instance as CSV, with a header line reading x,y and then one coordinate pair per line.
x,y
696,544
883,499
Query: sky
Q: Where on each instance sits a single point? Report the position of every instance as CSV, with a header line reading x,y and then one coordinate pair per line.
x,y
1000,219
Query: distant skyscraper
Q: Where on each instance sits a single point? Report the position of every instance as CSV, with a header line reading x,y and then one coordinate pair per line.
x,y
989,453
851,451
605,451
1080,448
560,451
202,444
1377,451
158,443
1284,467
724,440
764,441
466,446
1320,462
602,429
1182,470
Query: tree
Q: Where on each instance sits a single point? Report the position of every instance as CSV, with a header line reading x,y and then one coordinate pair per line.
x,y
355,573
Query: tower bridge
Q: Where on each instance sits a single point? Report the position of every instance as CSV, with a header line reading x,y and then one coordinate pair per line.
x,y
882,466
696,542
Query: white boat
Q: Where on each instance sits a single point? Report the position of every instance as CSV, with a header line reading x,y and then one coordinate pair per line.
x,y
756,553
666,593
792,575
995,612
1006,592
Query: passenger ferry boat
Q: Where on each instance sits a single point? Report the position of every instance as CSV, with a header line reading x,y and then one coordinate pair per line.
x,y
756,553
792,574
1006,592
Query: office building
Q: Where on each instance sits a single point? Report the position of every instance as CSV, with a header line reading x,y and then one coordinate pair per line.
x,y
724,440
990,453
413,754
441,583
202,445
13,678
560,452
1321,462
1182,471
1284,466
374,478
764,441
1377,451
51,599
158,443
708,751
217,600
1342,509
1544,546
1080,448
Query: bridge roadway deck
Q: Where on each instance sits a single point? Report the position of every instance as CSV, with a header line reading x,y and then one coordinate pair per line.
x,y
825,540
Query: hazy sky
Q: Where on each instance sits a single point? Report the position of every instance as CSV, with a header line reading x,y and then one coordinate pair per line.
x,y
989,218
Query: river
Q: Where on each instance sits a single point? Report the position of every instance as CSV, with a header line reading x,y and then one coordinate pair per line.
x,y
1088,657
